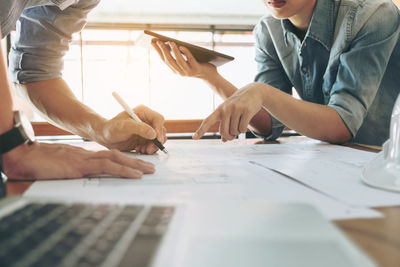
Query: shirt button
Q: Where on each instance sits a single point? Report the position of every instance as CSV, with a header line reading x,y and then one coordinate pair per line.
x,y
304,69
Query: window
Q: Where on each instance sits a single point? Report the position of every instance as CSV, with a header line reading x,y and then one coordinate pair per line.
x,y
103,57
104,60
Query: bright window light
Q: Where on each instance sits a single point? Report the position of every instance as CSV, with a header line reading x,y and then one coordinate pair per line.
x,y
109,61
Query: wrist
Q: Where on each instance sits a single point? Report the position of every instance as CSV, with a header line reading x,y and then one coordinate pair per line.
x,y
98,130
14,153
263,92
6,123
210,77
12,158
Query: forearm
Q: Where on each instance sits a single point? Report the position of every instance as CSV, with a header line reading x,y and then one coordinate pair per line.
x,y
54,100
6,116
220,85
313,120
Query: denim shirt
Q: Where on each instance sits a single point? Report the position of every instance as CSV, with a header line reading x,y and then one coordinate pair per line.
x,y
44,30
349,60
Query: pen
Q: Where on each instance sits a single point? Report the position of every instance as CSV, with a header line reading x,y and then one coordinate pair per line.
x,y
136,118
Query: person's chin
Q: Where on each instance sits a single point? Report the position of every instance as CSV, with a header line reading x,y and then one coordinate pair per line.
x,y
278,15
277,8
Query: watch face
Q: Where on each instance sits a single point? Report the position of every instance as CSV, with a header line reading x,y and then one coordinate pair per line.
x,y
26,125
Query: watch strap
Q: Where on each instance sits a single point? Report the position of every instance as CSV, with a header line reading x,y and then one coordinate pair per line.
x,y
11,139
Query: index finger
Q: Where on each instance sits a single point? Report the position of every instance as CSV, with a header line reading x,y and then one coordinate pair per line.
x,y
178,56
154,119
206,124
119,158
139,128
169,59
189,56
157,48
157,123
95,166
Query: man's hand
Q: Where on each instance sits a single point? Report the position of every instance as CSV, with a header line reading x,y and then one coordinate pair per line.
x,y
182,62
52,161
124,133
56,102
234,114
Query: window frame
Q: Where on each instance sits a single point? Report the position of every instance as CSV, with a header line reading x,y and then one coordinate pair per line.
x,y
172,126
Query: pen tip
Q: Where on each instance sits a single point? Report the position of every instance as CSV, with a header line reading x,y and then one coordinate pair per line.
x,y
165,151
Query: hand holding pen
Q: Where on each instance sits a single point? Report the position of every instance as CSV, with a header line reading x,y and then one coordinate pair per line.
x,y
132,114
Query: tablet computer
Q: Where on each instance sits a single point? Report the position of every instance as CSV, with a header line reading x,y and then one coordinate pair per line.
x,y
201,54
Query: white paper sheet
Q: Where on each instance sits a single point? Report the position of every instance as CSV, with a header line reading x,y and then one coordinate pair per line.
x,y
333,170
196,171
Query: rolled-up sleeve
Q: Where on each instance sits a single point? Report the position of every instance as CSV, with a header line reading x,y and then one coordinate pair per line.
x,y
43,34
362,68
269,71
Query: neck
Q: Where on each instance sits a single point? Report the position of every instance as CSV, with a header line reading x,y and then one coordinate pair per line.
x,y
302,19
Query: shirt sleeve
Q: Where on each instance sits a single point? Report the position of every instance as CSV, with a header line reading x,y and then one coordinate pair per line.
x,y
363,66
269,71
43,34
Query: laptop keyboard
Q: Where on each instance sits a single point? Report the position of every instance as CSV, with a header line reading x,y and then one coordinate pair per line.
x,y
82,235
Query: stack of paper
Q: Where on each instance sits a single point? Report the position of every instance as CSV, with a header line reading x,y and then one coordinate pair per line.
x,y
326,176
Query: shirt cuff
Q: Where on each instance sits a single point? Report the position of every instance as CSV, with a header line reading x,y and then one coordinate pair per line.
x,y
28,68
276,130
349,109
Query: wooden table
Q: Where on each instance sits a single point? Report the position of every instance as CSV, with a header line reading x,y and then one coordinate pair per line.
x,y
379,238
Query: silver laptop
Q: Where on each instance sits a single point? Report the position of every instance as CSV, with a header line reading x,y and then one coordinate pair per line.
x,y
45,233
37,232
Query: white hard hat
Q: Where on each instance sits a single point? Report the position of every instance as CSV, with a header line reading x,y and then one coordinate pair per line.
x,y
384,171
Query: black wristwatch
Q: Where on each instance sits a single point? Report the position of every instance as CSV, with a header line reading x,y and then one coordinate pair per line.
x,y
21,133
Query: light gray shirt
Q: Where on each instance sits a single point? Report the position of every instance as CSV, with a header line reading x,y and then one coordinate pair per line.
x,y
44,30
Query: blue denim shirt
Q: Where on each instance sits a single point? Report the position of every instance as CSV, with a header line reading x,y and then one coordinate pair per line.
x,y
44,29
349,60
